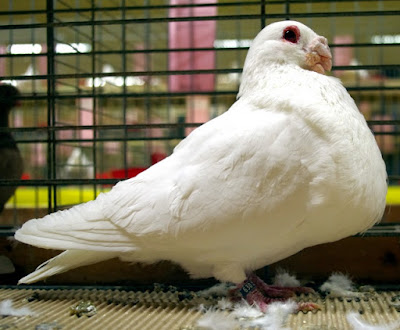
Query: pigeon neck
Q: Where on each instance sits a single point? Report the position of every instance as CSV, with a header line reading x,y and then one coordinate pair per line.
x,y
256,83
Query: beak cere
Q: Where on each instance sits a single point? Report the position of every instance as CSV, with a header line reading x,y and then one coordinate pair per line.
x,y
318,56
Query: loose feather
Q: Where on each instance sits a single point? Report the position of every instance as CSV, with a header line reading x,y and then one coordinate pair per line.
x,y
284,279
246,316
339,285
357,323
7,309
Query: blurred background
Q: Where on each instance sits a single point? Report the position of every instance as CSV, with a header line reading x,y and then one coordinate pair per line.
x,y
110,87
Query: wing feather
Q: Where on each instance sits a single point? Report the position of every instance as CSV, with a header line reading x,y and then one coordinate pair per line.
x,y
197,192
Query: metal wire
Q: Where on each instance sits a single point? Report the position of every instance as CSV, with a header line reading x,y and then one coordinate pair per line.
x,y
142,31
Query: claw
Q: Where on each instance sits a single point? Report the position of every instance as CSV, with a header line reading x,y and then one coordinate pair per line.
x,y
308,307
296,289
256,292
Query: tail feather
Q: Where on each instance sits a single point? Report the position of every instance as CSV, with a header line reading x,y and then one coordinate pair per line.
x,y
82,227
65,261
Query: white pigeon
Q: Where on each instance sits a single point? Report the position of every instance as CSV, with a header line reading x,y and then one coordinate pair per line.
x,y
291,164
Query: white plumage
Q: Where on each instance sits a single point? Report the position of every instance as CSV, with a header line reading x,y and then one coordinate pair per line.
x,y
291,164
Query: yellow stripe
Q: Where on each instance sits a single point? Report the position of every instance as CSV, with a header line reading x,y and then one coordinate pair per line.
x,y
38,197
393,195
31,197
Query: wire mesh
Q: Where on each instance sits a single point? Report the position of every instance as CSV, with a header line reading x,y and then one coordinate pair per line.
x,y
101,99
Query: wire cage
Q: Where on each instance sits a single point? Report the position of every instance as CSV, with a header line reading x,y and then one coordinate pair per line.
x,y
110,87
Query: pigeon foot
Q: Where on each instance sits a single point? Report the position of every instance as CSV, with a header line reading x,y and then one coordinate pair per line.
x,y
256,292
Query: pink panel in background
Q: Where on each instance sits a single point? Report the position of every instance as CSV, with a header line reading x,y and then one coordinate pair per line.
x,y
86,117
140,59
197,110
342,55
192,34
141,62
2,61
42,63
38,154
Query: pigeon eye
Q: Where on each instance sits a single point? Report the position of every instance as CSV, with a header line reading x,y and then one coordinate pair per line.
x,y
291,34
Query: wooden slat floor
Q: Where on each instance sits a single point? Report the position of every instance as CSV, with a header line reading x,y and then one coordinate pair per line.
x,y
173,309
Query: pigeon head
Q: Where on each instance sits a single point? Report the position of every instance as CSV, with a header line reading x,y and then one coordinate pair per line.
x,y
279,47
289,42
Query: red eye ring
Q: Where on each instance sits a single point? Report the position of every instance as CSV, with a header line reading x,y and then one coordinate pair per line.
x,y
291,34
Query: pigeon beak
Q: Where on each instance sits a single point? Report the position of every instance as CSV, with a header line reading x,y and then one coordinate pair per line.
x,y
318,55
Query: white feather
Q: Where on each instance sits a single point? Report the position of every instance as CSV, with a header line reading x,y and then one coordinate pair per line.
x,y
224,304
6,309
244,310
246,316
284,279
275,317
291,164
65,261
357,323
339,285
217,320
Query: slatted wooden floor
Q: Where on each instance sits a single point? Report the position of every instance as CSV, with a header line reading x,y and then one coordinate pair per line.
x,y
172,309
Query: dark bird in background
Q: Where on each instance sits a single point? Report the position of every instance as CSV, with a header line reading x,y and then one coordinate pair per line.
x,y
11,164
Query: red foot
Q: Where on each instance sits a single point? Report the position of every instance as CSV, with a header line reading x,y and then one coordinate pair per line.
x,y
256,291
308,307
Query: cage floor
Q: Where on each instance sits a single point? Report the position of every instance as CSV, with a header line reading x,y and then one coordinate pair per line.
x,y
166,308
